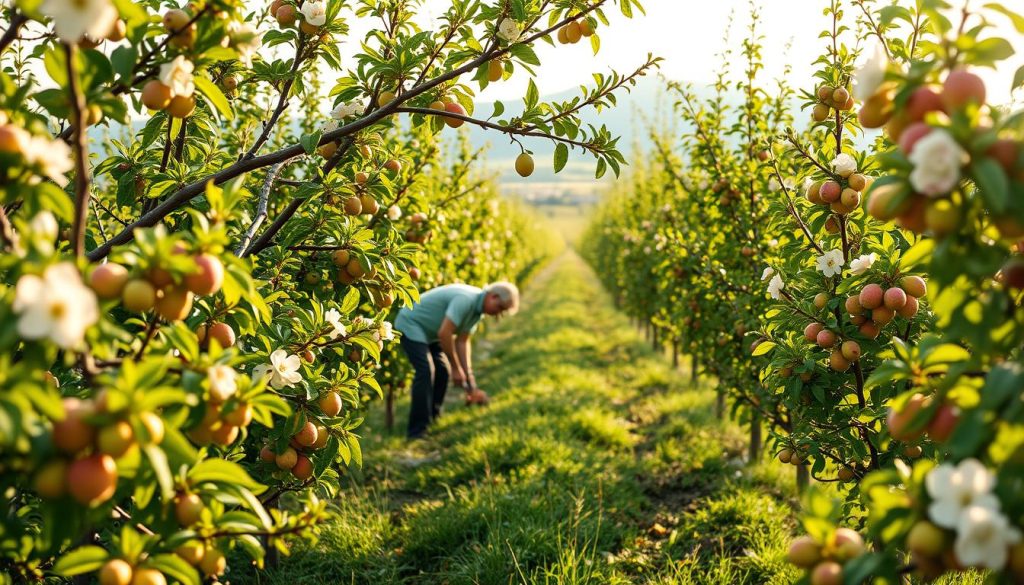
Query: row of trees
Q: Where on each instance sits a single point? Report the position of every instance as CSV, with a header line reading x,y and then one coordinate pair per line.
x,y
198,267
854,292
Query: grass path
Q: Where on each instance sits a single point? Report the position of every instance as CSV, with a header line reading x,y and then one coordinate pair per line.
x,y
595,463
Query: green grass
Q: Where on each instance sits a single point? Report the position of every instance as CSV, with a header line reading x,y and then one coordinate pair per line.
x,y
595,463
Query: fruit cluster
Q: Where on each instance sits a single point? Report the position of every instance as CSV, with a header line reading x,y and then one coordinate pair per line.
x,y
824,560
829,99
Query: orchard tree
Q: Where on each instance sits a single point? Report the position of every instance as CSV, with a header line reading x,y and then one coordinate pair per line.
x,y
198,265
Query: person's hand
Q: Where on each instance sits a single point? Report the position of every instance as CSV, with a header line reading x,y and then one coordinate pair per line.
x,y
477,396
459,379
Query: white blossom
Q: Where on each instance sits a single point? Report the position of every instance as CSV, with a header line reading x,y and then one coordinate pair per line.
x,y
283,369
774,185
386,331
863,263
937,159
871,74
508,30
334,318
343,111
983,538
394,213
56,306
768,271
844,164
177,75
245,39
73,19
315,13
222,382
775,287
830,263
44,227
52,158
954,489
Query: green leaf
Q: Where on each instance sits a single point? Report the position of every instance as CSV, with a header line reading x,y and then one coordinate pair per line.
x,y
216,97
176,568
81,560
763,348
1018,78
1016,19
992,181
532,95
158,460
310,141
221,471
561,156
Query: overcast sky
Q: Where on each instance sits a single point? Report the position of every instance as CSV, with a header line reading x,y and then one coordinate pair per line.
x,y
688,34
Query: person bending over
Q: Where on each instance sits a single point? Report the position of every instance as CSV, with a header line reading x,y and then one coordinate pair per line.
x,y
436,335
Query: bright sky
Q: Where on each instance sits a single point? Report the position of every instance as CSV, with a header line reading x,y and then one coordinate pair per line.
x,y
688,34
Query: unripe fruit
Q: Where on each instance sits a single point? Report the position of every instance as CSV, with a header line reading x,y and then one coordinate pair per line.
x,y
820,300
573,32
912,135
115,439
820,113
926,539
353,206
92,480
155,95
841,95
495,71
154,426
882,316
328,149
877,111
393,165
832,225
914,286
944,422
175,20
181,106
803,551
857,182
108,280
309,29
912,451
223,333
881,200
191,552
303,469
825,338
175,304
341,257
825,93
845,474
849,544
414,273
837,362
322,436
853,305
961,88
895,298
306,435
899,422
942,217
225,434
369,204
331,404
524,165
908,310
851,350
827,573
385,98
149,577
188,509
229,82
213,562
785,455
870,330
830,192
72,434
814,193
437,105
840,208
454,108
913,218
115,572
241,416
361,177
287,458
285,15
871,296
50,481
1006,152
209,278
922,101
355,269
117,31
138,295
811,332
850,199
267,454
308,356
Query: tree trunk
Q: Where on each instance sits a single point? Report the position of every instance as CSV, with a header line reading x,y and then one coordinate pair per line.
x,y
389,409
803,478
720,403
654,338
754,452
693,368
675,354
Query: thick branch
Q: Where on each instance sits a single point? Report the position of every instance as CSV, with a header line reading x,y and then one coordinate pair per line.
x,y
17,20
261,210
81,149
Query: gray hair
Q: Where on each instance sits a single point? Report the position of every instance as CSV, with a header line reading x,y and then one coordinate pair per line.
x,y
508,293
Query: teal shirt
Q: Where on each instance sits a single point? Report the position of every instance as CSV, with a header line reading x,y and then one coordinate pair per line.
x,y
461,303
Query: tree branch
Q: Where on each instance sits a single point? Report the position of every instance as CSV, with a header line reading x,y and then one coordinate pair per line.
x,y
261,210
81,149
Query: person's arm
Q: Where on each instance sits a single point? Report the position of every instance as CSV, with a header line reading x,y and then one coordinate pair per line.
x,y
464,349
446,336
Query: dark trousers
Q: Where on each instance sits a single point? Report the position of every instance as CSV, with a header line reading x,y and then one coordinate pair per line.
x,y
429,384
